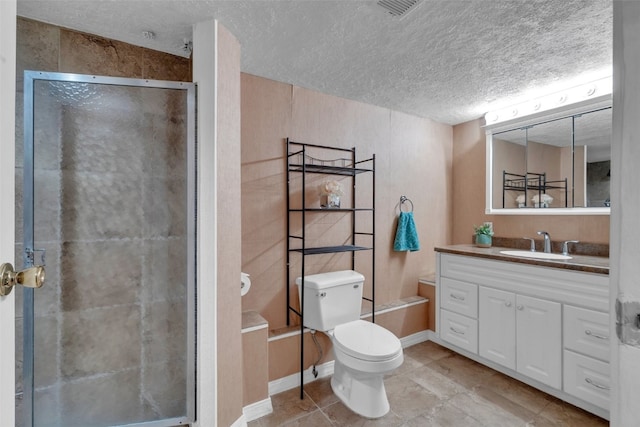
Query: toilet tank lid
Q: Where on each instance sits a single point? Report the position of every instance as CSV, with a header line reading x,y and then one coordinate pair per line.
x,y
330,279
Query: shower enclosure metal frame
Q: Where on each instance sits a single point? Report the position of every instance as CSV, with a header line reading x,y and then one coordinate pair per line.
x,y
30,77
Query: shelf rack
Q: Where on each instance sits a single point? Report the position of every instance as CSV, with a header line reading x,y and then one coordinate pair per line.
x,y
299,161
531,181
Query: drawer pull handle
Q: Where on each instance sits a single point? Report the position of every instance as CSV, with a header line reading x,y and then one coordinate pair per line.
x,y
591,334
596,385
456,331
520,307
458,297
507,303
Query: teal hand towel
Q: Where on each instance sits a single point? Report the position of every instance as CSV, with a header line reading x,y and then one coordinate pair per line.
x,y
406,234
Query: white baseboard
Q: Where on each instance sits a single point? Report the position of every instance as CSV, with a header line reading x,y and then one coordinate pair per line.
x,y
293,380
256,410
240,422
416,338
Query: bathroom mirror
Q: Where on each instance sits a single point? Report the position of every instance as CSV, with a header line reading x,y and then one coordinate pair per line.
x,y
557,165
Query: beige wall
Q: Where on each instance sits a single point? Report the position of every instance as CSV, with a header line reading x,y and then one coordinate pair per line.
x,y
580,174
229,235
413,158
511,158
469,199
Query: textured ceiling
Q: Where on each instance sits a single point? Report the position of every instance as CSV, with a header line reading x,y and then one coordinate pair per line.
x,y
451,61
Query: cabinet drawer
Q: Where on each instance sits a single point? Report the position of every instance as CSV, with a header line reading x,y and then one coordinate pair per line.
x,y
587,378
459,330
459,297
586,331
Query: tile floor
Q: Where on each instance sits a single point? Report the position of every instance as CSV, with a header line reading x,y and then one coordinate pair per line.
x,y
434,387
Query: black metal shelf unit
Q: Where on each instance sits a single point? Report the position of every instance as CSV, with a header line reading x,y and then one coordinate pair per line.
x,y
531,182
299,161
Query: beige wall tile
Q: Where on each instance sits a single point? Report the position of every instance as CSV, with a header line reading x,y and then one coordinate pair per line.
x,y
89,54
164,338
100,274
119,400
38,49
164,389
98,341
160,66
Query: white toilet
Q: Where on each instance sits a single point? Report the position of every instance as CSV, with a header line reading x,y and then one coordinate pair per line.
x,y
364,352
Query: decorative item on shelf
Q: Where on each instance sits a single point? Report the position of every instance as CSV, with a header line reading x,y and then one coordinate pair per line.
x,y
483,235
521,201
330,192
542,201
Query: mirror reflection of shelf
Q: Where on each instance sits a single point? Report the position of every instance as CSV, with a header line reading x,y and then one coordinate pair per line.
x,y
533,182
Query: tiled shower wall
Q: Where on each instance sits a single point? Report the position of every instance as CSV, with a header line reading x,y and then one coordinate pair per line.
x,y
110,214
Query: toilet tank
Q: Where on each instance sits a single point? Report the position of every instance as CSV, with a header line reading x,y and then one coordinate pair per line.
x,y
331,299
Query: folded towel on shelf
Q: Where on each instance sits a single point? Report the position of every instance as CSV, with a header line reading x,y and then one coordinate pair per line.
x,y
406,234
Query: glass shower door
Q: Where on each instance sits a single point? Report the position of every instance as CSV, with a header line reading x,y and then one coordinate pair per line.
x,y
109,208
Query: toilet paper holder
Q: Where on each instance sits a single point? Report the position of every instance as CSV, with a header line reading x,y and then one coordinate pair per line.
x,y
245,283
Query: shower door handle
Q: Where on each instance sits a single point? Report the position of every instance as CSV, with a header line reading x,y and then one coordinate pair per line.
x,y
31,278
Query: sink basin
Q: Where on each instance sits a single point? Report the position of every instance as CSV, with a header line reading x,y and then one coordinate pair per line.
x,y
538,255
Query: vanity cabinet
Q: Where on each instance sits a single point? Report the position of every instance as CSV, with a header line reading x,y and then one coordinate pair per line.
x,y
521,333
548,327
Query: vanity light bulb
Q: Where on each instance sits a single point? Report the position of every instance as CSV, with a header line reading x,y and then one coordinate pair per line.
x,y
492,117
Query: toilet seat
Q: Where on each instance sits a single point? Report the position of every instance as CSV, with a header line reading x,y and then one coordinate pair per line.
x,y
366,341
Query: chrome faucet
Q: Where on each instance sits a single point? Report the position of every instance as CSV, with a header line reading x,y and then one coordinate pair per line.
x,y
547,241
565,247
533,243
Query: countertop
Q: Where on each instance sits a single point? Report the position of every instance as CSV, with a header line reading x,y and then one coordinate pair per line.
x,y
584,263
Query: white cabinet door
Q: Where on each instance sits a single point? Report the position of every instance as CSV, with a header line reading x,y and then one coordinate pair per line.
x,y
497,326
539,340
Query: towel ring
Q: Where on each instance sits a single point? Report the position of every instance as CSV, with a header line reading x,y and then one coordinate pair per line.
x,y
405,199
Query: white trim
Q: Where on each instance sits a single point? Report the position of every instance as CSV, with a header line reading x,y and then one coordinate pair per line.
x,y
416,338
254,328
395,308
7,193
240,422
549,211
257,410
293,380
205,75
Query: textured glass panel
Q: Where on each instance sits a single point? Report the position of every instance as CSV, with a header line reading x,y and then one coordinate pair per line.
x,y
110,208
